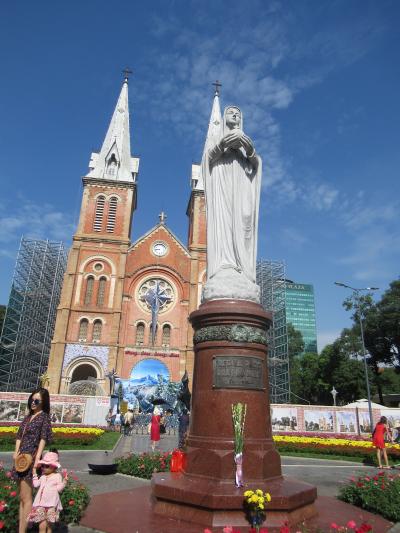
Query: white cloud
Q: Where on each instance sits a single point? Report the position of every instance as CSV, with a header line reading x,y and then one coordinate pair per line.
x,y
33,221
293,238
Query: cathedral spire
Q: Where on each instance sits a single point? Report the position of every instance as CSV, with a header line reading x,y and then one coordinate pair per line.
x,y
213,135
114,162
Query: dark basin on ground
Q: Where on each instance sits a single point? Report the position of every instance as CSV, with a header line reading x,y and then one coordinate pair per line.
x,y
103,469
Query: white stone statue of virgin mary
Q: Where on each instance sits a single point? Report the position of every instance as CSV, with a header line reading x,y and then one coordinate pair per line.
x,y
231,171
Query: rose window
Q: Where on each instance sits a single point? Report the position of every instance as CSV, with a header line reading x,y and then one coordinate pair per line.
x,y
159,287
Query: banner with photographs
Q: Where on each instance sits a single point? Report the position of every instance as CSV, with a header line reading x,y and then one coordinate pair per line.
x,y
284,419
9,410
56,410
60,413
318,420
73,413
393,417
365,424
346,422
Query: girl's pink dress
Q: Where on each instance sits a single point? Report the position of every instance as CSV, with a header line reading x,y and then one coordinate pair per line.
x,y
47,503
155,427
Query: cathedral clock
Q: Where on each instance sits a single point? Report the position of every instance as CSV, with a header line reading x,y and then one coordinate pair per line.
x,y
159,248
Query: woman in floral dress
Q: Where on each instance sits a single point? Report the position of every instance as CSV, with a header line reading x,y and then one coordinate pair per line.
x,y
33,435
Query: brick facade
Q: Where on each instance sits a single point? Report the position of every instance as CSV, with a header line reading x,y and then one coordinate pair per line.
x,y
104,276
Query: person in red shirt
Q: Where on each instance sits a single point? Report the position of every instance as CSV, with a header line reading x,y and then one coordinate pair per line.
x,y
378,440
155,428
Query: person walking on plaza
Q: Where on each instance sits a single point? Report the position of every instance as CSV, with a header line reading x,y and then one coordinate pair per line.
x,y
117,422
155,428
32,436
378,440
129,420
47,504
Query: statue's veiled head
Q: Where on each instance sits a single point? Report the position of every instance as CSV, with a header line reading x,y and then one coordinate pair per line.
x,y
232,118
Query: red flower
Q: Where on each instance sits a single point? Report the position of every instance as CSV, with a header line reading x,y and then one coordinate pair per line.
x,y
8,474
334,526
71,502
2,506
1,524
284,529
351,524
365,527
13,494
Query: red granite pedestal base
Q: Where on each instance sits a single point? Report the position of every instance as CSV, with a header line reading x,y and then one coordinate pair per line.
x,y
230,366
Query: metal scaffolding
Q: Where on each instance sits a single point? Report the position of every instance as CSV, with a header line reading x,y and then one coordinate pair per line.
x,y
270,278
31,313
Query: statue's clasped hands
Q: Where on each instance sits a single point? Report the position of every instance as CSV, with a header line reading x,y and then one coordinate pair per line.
x,y
237,139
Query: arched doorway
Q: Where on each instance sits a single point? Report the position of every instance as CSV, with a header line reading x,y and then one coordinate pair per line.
x,y
84,372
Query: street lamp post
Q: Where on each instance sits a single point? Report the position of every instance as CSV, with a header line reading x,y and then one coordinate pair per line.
x,y
356,292
334,394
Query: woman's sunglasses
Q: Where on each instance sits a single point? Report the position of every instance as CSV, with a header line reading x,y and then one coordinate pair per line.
x,y
37,402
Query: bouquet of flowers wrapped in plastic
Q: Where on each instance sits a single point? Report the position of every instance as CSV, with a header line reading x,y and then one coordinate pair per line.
x,y
238,420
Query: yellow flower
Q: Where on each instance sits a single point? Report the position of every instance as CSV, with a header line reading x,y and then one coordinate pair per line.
x,y
268,496
254,498
248,493
261,506
259,492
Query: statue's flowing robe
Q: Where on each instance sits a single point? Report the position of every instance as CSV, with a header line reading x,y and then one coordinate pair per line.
x,y
232,186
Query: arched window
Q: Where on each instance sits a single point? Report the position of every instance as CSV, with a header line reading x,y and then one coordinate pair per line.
x,y
83,329
112,166
140,334
98,215
89,290
112,214
166,335
97,327
101,292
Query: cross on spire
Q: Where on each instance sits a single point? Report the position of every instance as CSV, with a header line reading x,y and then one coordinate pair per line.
x,y
126,72
217,86
162,216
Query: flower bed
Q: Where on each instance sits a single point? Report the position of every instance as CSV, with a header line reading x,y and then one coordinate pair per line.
x,y
82,436
75,498
354,447
378,494
144,465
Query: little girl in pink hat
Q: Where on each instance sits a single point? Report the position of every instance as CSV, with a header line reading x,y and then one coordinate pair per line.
x,y
47,504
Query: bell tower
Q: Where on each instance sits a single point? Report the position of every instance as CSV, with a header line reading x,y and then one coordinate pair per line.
x,y
85,343
197,236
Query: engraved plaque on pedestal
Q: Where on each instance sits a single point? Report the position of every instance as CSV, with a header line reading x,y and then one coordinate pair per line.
x,y
238,372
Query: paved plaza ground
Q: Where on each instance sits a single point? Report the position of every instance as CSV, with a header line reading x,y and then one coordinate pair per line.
x,y
326,475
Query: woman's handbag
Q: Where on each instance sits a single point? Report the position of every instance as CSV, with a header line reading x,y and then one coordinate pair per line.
x,y
24,461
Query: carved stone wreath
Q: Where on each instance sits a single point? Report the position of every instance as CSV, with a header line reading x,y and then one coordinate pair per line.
x,y
150,284
236,333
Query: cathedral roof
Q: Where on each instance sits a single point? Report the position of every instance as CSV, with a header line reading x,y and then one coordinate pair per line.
x,y
114,161
148,234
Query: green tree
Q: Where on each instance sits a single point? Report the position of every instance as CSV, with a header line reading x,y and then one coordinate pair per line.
x,y
295,341
307,381
381,325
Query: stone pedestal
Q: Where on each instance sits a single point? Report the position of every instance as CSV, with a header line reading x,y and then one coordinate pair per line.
x,y
230,366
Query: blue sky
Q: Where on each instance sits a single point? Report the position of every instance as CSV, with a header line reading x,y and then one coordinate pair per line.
x,y
318,84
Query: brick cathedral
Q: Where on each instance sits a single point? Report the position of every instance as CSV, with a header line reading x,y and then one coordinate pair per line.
x,y
104,320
